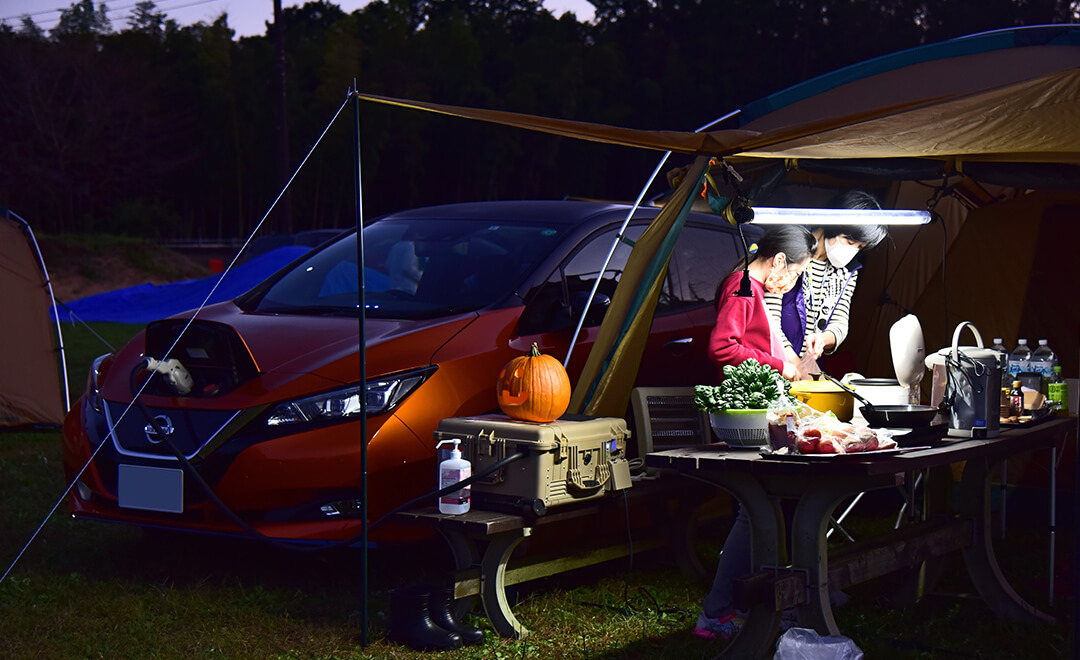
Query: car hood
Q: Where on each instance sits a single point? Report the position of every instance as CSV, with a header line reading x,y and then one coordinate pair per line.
x,y
292,351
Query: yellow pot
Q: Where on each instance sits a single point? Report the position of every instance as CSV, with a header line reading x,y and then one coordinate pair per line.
x,y
823,396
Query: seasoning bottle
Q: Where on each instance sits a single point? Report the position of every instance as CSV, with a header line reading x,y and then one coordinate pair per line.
x,y
1058,392
1016,400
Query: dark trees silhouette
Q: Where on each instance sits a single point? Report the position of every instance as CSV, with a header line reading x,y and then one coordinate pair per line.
x,y
159,130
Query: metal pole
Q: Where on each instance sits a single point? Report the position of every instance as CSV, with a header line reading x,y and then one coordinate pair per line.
x,y
619,236
362,305
1004,492
284,219
1053,517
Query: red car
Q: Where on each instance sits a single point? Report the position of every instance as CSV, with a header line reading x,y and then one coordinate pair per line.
x,y
271,420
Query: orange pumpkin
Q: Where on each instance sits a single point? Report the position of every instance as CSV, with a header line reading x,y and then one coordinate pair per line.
x,y
533,387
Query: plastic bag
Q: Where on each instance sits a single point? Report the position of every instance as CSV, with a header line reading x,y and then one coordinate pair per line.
x,y
784,416
806,644
807,366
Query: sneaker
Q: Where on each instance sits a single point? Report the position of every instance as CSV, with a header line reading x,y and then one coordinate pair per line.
x,y
725,627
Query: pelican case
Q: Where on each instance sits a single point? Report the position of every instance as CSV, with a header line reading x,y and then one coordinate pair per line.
x,y
572,459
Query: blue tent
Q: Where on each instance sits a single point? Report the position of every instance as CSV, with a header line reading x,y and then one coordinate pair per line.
x,y
149,302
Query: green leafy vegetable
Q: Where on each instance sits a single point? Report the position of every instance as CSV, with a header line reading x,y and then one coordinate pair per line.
x,y
750,385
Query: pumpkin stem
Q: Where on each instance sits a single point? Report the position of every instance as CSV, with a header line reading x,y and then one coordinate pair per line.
x,y
535,352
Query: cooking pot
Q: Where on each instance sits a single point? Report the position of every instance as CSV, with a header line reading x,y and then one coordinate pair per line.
x,y
823,396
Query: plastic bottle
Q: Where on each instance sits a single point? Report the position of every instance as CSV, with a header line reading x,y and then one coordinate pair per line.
x,y
1016,399
1019,359
1043,361
1058,391
1000,348
451,471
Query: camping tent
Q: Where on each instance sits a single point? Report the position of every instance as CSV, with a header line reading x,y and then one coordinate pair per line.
x,y
953,121
30,374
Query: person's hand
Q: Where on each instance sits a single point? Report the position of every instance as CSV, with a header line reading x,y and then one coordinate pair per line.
x,y
817,343
790,371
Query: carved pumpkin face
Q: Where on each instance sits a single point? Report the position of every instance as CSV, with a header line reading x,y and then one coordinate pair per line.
x,y
533,387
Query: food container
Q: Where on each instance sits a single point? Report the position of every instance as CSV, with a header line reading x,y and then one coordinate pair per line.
x,y
741,428
824,396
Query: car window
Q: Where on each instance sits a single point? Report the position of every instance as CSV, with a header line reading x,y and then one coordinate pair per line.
x,y
560,300
702,257
414,269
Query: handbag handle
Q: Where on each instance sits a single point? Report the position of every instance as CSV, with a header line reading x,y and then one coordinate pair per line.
x,y
956,337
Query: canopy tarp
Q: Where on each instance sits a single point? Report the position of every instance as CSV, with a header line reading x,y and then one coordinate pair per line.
x,y
1011,96
1000,108
604,386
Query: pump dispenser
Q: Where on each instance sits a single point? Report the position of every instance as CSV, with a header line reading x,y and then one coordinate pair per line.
x,y
451,471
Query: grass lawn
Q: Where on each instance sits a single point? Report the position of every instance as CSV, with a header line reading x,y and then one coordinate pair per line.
x,y
86,589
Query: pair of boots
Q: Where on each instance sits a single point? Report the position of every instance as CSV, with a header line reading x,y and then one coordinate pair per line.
x,y
420,618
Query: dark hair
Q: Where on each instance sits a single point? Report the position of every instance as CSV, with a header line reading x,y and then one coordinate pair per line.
x,y
869,235
795,242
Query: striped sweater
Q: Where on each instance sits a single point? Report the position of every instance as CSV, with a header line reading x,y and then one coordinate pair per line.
x,y
828,300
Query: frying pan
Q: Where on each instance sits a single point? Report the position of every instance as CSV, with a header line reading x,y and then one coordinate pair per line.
x,y
891,416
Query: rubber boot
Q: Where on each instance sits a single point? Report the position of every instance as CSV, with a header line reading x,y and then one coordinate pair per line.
x,y
411,624
440,604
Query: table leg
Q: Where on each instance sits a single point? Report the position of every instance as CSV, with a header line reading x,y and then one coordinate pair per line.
x,y
809,548
980,560
493,584
768,549
465,555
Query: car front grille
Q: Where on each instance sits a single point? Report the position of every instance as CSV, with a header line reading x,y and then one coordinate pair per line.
x,y
190,430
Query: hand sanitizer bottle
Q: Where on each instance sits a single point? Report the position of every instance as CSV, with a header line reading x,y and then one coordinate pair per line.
x,y
451,471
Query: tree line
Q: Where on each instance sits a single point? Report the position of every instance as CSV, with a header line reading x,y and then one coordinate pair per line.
x,y
165,131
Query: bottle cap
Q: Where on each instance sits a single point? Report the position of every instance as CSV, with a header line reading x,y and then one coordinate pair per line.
x,y
997,340
1023,341
1017,383
1042,342
1057,368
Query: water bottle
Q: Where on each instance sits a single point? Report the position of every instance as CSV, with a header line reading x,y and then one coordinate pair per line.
x,y
1019,359
1004,356
1058,392
1043,361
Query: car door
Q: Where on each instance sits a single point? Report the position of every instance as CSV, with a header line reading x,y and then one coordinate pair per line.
x,y
705,254
674,353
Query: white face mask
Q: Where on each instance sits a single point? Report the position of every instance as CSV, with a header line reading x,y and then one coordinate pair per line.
x,y
840,253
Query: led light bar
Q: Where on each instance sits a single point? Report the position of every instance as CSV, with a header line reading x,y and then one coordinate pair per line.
x,y
766,215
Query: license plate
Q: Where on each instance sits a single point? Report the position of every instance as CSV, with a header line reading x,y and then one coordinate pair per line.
x,y
151,488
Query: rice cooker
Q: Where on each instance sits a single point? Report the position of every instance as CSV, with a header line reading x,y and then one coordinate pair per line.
x,y
968,380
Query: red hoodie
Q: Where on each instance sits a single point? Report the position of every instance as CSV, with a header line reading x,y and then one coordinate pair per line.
x,y
742,327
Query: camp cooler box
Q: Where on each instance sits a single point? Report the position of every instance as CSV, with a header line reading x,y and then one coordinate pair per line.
x,y
572,459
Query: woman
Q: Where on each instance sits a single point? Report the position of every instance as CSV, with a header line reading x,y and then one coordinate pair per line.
x,y
743,329
814,315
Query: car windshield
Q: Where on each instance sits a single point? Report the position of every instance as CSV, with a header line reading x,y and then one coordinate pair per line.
x,y
414,268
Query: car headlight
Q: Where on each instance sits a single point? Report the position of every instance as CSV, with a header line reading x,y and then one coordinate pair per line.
x,y
93,384
383,395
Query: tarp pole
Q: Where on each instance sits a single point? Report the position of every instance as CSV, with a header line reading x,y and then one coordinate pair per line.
x,y
363,383
619,236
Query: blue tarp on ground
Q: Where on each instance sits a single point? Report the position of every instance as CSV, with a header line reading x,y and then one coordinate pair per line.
x,y
149,302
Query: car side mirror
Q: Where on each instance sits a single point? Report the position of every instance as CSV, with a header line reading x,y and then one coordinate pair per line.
x,y
597,309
